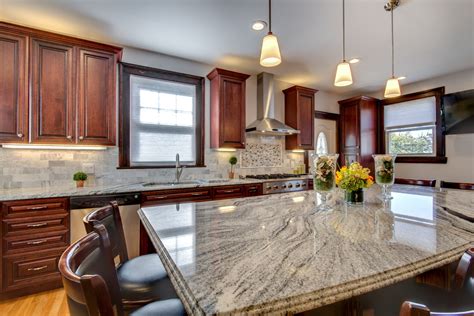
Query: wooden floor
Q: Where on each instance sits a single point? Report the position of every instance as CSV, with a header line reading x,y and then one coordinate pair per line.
x,y
44,303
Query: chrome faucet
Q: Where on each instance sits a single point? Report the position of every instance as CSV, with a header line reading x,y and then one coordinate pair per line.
x,y
179,169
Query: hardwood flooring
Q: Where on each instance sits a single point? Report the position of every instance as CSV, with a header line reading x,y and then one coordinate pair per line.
x,y
44,303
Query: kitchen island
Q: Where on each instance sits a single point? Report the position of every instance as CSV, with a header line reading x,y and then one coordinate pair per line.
x,y
276,254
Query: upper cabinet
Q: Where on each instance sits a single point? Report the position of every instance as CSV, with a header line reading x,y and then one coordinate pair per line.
x,y
13,87
227,108
299,114
359,140
71,88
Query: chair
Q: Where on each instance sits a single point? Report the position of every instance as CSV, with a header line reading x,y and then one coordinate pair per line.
x,y
424,183
142,279
463,285
90,281
457,185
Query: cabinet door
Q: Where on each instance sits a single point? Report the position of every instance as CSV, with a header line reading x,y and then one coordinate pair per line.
x,y
52,93
306,121
13,88
350,127
232,109
96,107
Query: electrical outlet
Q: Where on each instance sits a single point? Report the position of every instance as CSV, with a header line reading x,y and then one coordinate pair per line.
x,y
88,168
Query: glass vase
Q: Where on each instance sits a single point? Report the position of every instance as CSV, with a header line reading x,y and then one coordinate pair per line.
x,y
324,178
354,197
385,173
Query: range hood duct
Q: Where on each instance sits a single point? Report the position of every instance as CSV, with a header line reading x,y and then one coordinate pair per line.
x,y
266,124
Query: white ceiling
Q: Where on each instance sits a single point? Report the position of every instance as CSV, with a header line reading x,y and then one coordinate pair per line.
x,y
432,37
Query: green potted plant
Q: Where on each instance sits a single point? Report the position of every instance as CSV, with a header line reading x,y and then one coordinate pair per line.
x,y
80,177
233,162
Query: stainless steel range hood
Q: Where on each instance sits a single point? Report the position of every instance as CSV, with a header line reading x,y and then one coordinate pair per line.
x,y
266,124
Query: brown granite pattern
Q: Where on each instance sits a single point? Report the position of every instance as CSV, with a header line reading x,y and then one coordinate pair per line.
x,y
275,254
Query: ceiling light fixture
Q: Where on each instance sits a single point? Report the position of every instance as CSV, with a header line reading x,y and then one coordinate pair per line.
x,y
402,78
392,88
259,25
270,55
343,72
354,60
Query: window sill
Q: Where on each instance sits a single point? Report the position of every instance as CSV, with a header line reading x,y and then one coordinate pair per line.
x,y
160,167
420,159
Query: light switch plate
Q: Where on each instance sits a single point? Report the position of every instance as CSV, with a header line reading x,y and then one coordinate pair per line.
x,y
88,168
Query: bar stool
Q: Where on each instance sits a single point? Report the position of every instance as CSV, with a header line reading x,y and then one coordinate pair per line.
x,y
424,183
457,185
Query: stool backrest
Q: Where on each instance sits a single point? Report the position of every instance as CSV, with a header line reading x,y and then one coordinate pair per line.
x,y
424,183
457,185
89,276
109,217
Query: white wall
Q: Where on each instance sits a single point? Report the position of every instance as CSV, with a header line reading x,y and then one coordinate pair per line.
x,y
459,148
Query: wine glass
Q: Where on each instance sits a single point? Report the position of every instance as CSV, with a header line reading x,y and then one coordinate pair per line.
x,y
324,177
385,173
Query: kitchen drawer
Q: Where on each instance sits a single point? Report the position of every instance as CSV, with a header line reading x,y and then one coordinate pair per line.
x,y
170,196
31,270
34,242
253,189
37,224
28,208
226,192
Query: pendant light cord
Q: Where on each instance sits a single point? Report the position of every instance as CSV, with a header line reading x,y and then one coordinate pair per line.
x,y
269,16
343,31
393,44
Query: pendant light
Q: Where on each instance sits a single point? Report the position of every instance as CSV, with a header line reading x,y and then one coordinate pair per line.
x,y
343,72
270,54
392,88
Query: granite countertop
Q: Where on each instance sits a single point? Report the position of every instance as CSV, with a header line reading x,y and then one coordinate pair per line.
x,y
37,193
276,254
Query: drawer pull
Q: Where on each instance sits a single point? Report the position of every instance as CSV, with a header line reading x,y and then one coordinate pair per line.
x,y
35,208
36,242
37,225
160,197
230,191
37,268
197,194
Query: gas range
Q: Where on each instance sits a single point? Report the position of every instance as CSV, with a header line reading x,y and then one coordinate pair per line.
x,y
277,183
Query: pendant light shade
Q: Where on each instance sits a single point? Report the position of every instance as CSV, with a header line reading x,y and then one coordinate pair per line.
x,y
343,75
270,55
392,88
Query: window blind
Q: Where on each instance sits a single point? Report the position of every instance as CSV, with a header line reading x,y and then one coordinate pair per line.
x,y
162,122
412,113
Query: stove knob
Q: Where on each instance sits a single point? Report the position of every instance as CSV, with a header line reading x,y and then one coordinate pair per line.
x,y
283,186
269,187
298,185
290,186
275,187
303,185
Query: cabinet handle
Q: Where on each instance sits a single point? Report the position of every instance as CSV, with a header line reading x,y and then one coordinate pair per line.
x,y
20,135
160,197
35,208
37,268
197,194
81,137
36,225
36,242
69,137
230,191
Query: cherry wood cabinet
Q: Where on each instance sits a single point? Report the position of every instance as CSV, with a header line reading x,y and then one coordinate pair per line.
x,y
52,92
70,85
359,124
299,114
227,108
13,87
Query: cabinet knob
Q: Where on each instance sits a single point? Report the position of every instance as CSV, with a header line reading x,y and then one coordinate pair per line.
x,y
20,135
81,137
69,137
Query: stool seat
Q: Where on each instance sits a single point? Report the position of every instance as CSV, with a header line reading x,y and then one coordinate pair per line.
x,y
144,279
171,307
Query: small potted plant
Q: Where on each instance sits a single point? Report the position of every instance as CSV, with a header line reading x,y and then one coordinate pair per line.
x,y
80,177
233,162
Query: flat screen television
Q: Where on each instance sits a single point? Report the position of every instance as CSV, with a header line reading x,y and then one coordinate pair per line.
x,y
459,112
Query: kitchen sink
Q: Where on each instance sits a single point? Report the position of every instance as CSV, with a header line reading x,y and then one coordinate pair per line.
x,y
149,184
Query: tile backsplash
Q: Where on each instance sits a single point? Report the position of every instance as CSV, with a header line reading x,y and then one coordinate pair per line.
x,y
28,168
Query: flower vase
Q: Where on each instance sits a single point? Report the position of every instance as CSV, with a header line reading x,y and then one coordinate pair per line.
x,y
385,174
354,197
324,178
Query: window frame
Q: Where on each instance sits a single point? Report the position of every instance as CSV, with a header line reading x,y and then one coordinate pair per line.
x,y
125,71
439,137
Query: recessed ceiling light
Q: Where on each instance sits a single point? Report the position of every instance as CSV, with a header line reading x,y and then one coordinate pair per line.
x,y
401,77
259,25
354,60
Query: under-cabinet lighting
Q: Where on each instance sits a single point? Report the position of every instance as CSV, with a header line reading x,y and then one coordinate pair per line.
x,y
226,149
52,147
226,209
298,150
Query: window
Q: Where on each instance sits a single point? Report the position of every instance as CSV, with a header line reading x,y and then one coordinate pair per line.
x,y
162,115
412,127
321,144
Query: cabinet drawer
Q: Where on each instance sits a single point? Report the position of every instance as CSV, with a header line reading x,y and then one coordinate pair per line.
x,y
227,192
170,196
34,207
36,241
253,189
39,224
31,270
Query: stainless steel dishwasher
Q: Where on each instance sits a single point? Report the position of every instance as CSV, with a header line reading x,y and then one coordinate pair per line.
x,y
129,203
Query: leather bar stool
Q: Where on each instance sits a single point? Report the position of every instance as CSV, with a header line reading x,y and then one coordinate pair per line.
x,y
142,279
457,185
424,183
91,283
